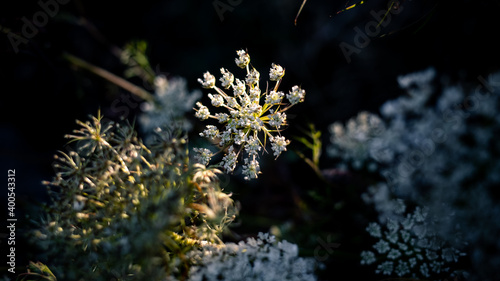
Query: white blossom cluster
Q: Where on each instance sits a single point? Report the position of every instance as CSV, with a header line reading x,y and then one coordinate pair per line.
x,y
439,148
248,123
167,111
256,259
350,143
407,246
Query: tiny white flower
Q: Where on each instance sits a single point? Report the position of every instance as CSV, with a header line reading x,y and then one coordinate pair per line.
x,y
229,160
256,123
244,100
413,262
243,58
408,222
226,79
296,95
431,255
208,80
254,94
278,144
225,138
437,266
202,113
262,236
232,124
393,254
252,146
277,119
420,214
210,132
254,108
274,97
402,268
424,269
367,257
403,246
203,155
253,77
222,117
252,242
239,88
399,206
231,102
382,247
289,248
217,100
160,83
374,230
251,169
276,72
392,225
385,268
392,237
405,235
240,137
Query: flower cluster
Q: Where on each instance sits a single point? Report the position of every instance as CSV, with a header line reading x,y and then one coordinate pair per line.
x,y
438,149
350,143
256,259
408,248
246,120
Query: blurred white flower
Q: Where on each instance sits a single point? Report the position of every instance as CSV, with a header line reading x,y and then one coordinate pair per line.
x,y
256,259
167,112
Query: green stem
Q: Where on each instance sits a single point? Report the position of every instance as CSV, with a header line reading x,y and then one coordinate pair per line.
x,y
141,93
311,164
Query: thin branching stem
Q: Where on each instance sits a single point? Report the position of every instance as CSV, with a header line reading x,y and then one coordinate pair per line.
x,y
138,91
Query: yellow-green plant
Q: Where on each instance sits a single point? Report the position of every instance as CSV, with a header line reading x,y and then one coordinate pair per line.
x,y
124,211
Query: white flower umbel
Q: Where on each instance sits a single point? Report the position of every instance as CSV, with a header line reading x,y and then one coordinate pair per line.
x,y
252,116
408,248
261,258
436,145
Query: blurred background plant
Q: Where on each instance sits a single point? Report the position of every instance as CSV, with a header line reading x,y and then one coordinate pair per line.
x,y
435,147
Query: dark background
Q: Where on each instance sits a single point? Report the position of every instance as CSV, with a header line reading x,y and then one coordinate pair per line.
x,y
43,94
